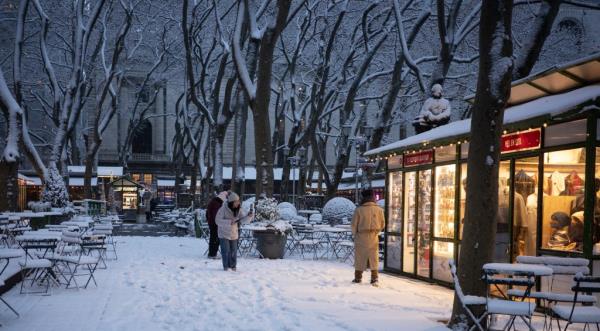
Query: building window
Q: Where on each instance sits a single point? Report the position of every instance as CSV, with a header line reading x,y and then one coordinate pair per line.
x,y
563,201
136,177
148,178
443,252
410,220
142,138
463,197
393,252
446,153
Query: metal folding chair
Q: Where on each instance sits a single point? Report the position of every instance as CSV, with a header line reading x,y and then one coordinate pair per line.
x,y
574,314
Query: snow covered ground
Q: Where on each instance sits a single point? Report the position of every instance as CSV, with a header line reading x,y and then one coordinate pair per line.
x,y
164,283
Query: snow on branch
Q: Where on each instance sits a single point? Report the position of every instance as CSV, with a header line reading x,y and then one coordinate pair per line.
x,y
238,58
409,60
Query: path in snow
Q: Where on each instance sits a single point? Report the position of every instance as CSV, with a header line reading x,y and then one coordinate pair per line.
x,y
165,283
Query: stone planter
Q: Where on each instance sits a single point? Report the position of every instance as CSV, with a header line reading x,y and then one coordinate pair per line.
x,y
270,243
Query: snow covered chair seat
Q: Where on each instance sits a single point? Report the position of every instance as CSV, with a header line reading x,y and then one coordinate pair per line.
x,y
37,269
575,313
467,301
507,307
345,250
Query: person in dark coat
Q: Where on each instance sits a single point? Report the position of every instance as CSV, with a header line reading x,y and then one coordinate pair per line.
x,y
211,212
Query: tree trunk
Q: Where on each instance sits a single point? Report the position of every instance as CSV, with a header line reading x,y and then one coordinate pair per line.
x,y
493,90
260,109
9,195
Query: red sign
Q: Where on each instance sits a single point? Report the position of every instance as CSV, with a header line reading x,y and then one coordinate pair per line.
x,y
424,157
520,141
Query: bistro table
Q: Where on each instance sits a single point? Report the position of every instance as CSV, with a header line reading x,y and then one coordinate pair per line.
x,y
332,235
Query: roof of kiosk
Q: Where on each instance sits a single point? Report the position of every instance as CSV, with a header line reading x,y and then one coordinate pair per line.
x,y
546,106
554,80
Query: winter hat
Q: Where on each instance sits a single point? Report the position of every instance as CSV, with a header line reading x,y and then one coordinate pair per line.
x,y
223,196
561,218
232,197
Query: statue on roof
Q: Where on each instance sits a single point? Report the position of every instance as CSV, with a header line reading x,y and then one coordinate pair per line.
x,y
436,111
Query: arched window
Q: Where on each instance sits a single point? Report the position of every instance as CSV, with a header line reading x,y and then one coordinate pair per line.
x,y
572,28
142,139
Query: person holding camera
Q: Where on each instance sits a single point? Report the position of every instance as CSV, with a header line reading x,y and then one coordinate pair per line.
x,y
228,220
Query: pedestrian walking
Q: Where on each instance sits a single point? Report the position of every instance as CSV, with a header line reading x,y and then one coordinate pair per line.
x,y
211,212
228,220
367,223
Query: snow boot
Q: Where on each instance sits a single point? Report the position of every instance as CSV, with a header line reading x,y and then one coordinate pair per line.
x,y
374,278
357,277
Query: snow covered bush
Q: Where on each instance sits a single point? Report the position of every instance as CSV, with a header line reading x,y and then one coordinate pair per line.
x,y
39,206
337,209
55,190
287,205
286,214
266,210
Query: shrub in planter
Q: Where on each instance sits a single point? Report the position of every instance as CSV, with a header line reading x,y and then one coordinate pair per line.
x,y
271,242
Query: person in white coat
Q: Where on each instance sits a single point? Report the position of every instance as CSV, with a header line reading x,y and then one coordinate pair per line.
x,y
228,220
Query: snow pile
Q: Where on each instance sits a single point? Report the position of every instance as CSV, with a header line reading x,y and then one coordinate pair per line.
x,y
55,190
286,211
337,209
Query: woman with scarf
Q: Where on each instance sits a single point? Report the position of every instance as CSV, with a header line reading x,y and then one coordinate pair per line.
x,y
228,220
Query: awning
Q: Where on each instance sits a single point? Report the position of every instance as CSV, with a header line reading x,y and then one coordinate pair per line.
x,y
101,171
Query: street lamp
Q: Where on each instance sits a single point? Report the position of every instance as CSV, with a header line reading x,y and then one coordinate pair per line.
x,y
358,142
295,162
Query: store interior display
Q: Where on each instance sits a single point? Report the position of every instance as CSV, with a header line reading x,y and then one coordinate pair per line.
x,y
424,223
444,201
525,207
563,200
502,227
463,198
395,202
443,252
410,221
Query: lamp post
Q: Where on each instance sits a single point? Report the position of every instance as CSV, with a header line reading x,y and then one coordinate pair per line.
x,y
358,142
294,162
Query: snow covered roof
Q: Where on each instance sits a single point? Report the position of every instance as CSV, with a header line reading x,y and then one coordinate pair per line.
x,y
556,79
377,183
78,181
549,107
101,171
171,182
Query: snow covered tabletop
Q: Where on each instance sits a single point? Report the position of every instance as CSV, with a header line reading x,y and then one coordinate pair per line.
x,y
10,253
517,268
39,236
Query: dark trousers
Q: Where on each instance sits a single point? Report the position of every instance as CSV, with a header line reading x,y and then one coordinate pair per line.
x,y
213,241
229,253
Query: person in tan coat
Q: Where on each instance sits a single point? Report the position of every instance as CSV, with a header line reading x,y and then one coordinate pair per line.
x,y
367,222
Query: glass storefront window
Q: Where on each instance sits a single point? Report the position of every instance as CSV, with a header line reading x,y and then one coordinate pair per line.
x,y
410,221
565,133
596,224
502,229
464,151
442,253
395,202
444,201
393,251
563,201
463,197
525,206
424,223
445,153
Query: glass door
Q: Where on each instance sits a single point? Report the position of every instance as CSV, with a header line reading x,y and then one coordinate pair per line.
x,y
501,252
410,222
525,207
